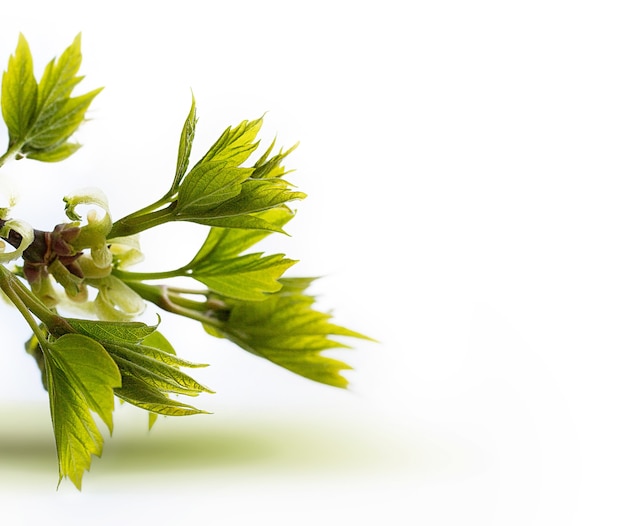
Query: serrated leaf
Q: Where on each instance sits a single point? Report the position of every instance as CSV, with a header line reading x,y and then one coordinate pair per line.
x,y
220,266
19,92
80,377
249,277
61,121
42,117
209,184
218,176
141,363
272,168
59,78
286,330
185,144
235,145
256,195
224,243
112,331
137,392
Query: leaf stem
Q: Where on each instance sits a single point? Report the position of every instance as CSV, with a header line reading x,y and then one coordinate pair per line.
x,y
8,285
11,153
27,303
148,217
196,310
125,275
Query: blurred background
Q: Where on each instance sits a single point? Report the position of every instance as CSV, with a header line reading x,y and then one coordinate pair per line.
x,y
465,171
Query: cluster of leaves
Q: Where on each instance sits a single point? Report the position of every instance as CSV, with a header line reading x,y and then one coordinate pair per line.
x,y
235,293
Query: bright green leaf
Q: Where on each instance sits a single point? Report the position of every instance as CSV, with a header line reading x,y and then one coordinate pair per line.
x,y
150,366
19,93
184,147
250,277
59,79
61,121
207,185
286,330
235,145
224,243
80,377
112,331
42,117
139,393
56,154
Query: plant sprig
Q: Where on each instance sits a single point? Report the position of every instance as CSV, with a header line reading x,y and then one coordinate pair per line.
x,y
234,292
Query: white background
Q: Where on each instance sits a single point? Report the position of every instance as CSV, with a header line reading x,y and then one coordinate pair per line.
x,y
465,171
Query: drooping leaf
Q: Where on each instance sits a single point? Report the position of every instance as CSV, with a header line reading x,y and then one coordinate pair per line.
x,y
80,377
159,369
139,393
286,330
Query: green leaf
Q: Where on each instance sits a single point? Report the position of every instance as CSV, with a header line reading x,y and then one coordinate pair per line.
x,y
220,266
209,184
19,92
235,145
59,79
42,117
218,176
56,126
137,392
80,377
57,154
256,195
224,243
249,277
286,330
112,331
184,147
272,168
157,368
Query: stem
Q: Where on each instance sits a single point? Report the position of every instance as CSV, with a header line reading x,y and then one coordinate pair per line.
x,y
125,275
143,219
7,285
158,294
11,153
27,303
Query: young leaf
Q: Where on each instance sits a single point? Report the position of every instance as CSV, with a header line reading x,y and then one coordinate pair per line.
x,y
19,93
80,377
109,331
250,277
137,392
224,243
217,176
184,147
234,145
42,117
220,266
286,330
207,185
